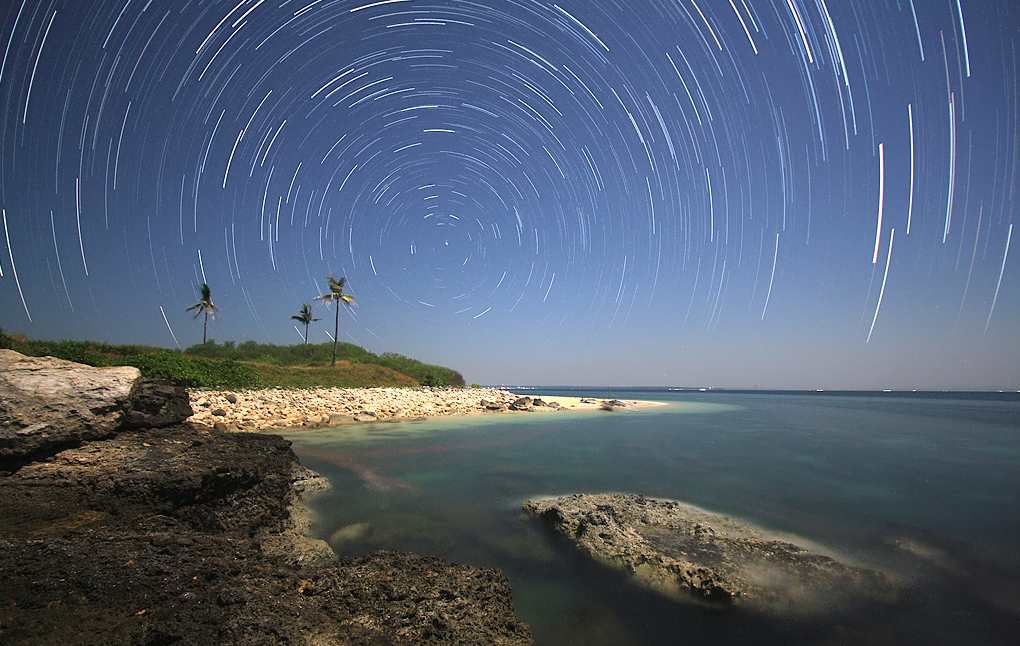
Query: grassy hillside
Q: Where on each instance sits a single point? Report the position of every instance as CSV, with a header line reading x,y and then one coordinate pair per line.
x,y
322,353
248,365
344,375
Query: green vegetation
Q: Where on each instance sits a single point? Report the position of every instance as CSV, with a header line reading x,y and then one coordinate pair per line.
x,y
249,364
311,355
158,363
343,375
193,373
427,375
90,353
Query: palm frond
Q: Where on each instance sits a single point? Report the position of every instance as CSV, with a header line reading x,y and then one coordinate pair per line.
x,y
306,315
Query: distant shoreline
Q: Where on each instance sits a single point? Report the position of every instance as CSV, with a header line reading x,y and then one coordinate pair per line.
x,y
275,409
993,395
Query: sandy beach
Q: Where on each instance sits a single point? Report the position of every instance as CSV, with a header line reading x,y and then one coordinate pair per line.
x,y
253,410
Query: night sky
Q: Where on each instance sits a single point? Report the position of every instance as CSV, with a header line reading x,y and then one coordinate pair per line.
x,y
731,193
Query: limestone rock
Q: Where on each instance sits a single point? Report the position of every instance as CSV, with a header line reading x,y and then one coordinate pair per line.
x,y
690,554
46,403
266,408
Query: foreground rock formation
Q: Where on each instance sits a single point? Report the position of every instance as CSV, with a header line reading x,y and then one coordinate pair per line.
x,y
186,534
690,554
48,403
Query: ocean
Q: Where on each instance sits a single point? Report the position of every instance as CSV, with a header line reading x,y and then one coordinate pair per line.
x,y
925,486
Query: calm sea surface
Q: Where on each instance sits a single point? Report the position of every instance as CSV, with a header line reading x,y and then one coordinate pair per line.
x,y
924,486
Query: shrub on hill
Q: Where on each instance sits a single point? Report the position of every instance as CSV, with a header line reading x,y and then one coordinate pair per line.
x,y
426,374
157,363
90,353
194,373
321,355
214,365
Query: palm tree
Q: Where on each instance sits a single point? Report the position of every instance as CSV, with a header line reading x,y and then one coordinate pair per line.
x,y
336,293
205,305
305,317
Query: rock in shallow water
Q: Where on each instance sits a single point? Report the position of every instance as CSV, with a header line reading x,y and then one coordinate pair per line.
x,y
690,554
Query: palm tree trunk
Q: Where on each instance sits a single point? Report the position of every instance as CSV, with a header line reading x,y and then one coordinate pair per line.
x,y
205,327
336,332
306,333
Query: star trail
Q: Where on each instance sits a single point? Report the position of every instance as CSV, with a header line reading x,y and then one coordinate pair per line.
x,y
675,192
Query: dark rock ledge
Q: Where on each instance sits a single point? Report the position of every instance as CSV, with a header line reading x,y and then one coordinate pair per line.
x,y
689,554
115,532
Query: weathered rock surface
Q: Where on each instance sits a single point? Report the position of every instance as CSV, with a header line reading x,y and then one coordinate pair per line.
x,y
47,403
312,407
191,535
182,536
688,553
155,403
522,403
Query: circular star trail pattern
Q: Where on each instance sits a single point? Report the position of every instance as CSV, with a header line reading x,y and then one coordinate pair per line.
x,y
782,191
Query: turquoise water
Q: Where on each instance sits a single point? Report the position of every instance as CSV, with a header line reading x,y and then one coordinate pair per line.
x,y
924,486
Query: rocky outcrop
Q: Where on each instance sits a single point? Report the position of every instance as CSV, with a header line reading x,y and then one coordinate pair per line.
x,y
522,403
184,535
690,554
492,406
47,403
156,403
187,534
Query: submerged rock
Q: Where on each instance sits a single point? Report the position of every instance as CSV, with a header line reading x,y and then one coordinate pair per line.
x,y
687,553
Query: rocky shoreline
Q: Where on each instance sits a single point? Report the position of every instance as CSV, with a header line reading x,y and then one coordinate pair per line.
x,y
314,407
126,524
278,408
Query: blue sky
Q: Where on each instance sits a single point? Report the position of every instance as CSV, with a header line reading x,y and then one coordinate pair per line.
x,y
781,194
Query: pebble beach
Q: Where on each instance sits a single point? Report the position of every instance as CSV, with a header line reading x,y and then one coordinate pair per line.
x,y
255,410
